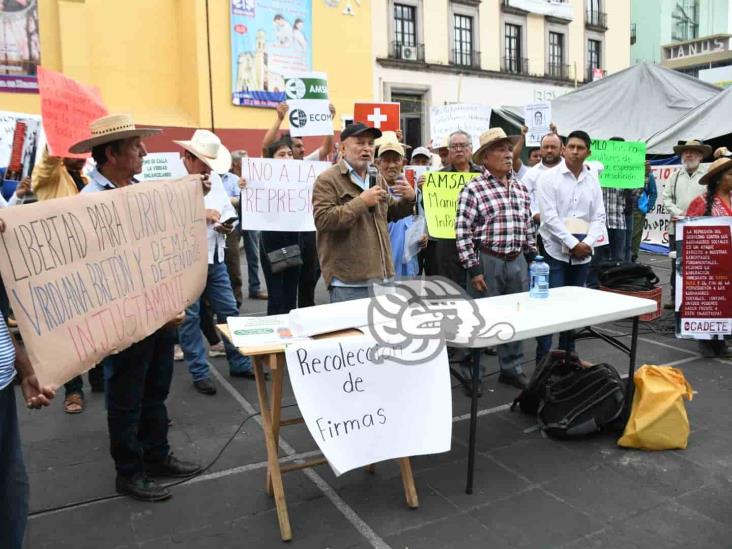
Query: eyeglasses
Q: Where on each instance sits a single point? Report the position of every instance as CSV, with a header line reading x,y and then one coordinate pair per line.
x,y
458,146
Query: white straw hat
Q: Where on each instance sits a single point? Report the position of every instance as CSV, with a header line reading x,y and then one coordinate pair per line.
x,y
207,146
111,128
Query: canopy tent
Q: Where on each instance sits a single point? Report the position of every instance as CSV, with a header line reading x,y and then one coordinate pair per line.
x,y
710,122
634,103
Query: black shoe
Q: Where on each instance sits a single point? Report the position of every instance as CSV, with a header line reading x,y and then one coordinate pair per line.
x,y
205,387
520,381
140,487
468,389
171,466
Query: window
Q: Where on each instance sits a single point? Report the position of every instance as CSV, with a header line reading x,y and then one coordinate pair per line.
x,y
685,20
556,55
512,49
405,28
593,6
594,57
463,54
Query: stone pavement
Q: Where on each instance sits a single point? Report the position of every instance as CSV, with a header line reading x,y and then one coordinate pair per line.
x,y
530,491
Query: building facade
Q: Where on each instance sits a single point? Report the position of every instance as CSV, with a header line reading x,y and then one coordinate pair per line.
x,y
494,52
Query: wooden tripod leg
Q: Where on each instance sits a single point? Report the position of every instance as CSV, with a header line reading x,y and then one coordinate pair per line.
x,y
410,491
278,375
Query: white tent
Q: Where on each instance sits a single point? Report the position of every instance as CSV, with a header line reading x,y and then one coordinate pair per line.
x,y
634,103
707,121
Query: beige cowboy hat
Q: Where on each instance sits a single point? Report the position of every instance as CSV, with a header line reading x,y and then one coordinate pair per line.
x,y
206,146
393,147
722,163
110,128
491,137
444,144
389,137
693,145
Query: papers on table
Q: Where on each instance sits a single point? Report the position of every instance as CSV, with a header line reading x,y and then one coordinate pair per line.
x,y
260,331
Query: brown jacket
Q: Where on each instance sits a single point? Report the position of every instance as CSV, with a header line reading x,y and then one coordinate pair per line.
x,y
353,242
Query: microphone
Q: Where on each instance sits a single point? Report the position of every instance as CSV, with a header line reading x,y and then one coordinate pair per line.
x,y
373,173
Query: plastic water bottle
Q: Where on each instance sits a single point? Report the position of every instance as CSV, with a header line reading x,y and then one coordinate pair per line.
x,y
539,274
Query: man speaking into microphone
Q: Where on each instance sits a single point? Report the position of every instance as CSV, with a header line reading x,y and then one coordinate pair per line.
x,y
351,218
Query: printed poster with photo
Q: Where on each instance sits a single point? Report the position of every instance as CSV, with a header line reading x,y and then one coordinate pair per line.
x,y
20,49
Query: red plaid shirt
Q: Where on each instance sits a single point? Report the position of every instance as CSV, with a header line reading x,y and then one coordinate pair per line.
x,y
493,217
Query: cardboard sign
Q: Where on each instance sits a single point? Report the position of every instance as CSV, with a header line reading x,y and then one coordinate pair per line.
x,y
537,118
704,277
279,194
67,108
309,108
90,275
624,162
360,411
162,166
446,119
382,116
440,191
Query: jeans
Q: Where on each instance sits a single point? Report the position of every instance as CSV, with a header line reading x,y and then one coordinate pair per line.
x,y
251,250
310,271
345,293
76,385
13,477
282,289
561,274
232,258
137,385
221,299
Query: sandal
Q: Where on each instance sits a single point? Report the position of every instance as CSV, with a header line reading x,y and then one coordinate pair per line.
x,y
74,404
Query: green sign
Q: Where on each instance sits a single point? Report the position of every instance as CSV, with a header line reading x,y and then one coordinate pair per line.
x,y
313,87
624,162
440,192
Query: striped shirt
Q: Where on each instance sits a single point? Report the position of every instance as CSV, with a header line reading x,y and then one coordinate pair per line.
x,y
614,200
7,355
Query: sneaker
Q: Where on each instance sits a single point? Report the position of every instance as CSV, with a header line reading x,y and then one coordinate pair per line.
x,y
217,350
205,387
177,353
520,381
142,488
173,467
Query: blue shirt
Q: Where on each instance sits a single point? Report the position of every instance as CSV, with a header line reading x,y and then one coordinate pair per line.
x,y
363,183
7,355
231,184
97,182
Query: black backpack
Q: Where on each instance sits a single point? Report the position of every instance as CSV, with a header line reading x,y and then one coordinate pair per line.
x,y
626,276
553,365
582,402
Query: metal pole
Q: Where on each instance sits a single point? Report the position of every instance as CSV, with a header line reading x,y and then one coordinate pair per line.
x,y
473,420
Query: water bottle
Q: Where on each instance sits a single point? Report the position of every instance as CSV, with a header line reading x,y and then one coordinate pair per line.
x,y
539,274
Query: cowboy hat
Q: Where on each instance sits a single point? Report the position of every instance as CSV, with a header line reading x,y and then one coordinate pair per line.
x,y
111,128
206,146
389,137
721,164
444,144
693,145
489,138
393,147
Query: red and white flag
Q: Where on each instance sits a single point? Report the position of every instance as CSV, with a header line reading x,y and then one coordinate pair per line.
x,y
382,116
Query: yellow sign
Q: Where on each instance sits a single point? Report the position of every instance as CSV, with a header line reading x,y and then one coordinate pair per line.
x,y
440,191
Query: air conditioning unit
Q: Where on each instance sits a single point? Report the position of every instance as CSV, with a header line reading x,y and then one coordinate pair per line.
x,y
409,53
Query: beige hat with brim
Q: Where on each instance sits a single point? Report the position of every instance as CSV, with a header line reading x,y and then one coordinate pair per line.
x,y
111,128
719,165
207,147
393,147
490,138
389,137
693,145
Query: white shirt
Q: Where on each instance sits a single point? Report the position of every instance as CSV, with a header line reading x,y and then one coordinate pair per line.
x,y
530,178
218,200
561,196
313,156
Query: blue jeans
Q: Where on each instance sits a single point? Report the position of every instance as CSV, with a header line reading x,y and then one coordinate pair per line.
x,y
345,293
220,297
13,477
282,289
137,385
251,249
561,274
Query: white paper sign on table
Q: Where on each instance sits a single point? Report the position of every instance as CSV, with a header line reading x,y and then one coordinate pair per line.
x,y
537,118
360,412
259,331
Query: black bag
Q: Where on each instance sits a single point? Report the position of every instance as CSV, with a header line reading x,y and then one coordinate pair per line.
x,y
626,276
284,258
553,365
582,402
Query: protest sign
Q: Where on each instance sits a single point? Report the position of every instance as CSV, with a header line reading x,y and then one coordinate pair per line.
x,y
382,116
260,331
21,143
162,166
67,108
704,277
624,163
472,119
360,411
91,274
279,194
440,191
20,48
413,173
537,118
309,108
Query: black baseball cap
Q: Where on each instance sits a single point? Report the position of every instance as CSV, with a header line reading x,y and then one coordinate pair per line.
x,y
359,128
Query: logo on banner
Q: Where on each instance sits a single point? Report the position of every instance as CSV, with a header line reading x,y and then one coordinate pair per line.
x,y
242,7
295,88
298,118
382,116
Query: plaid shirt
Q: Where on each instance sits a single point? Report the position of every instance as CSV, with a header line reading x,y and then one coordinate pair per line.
x,y
493,217
614,200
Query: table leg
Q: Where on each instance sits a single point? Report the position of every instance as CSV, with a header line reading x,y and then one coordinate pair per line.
x,y
273,463
277,372
410,491
630,385
473,420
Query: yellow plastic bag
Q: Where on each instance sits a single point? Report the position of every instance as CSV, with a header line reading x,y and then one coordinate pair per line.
x,y
658,419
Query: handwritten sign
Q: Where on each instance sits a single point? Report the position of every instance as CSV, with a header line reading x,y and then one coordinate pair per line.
x,y
67,108
279,194
309,108
472,119
162,166
89,275
624,162
360,411
537,118
440,191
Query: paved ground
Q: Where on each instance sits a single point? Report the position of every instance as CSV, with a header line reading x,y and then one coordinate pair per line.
x,y
530,491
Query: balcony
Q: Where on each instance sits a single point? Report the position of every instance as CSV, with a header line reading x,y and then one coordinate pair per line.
x,y
557,72
464,58
596,20
405,52
515,65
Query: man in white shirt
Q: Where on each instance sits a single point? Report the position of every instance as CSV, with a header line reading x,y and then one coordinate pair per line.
x,y
204,154
572,222
551,156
